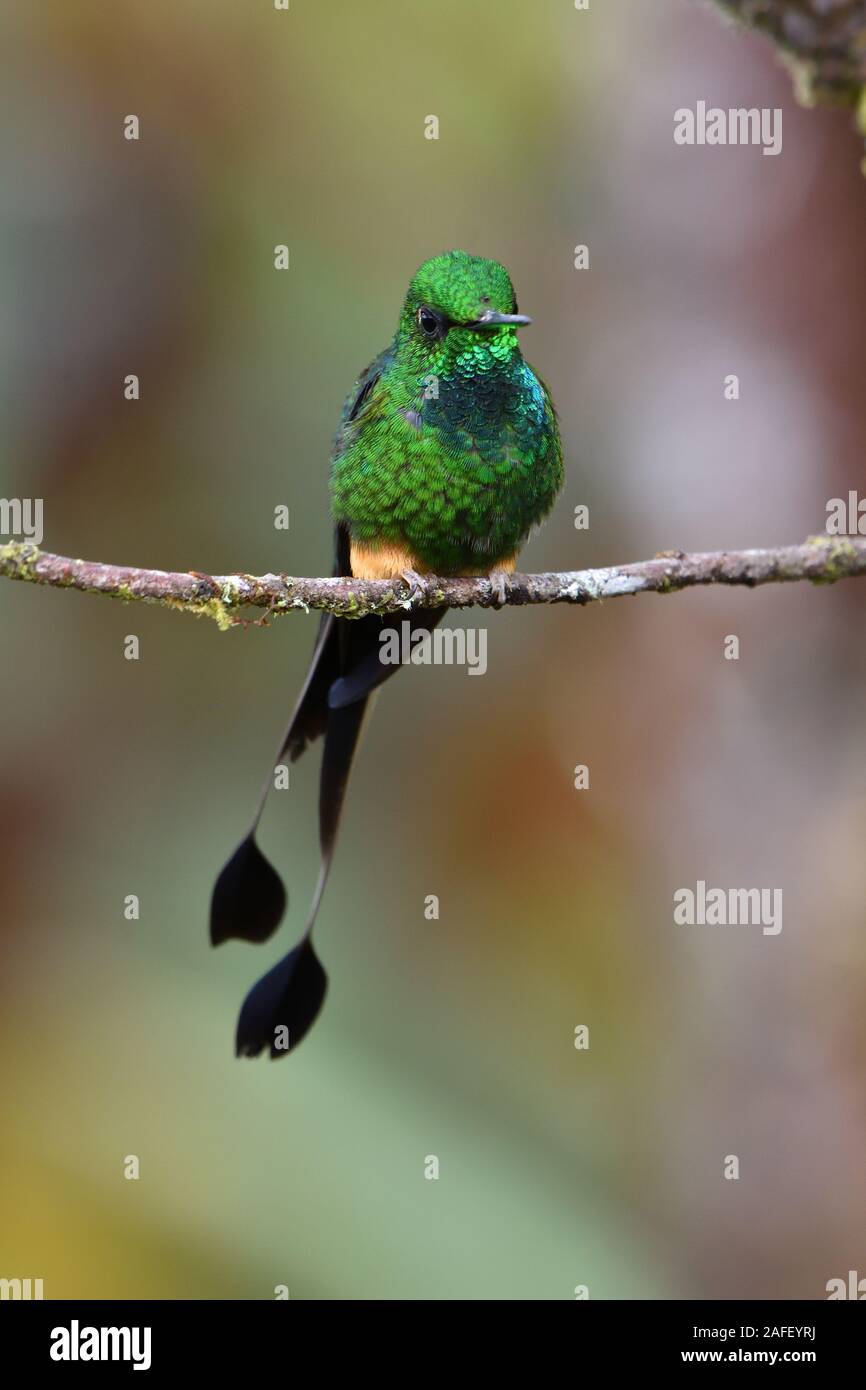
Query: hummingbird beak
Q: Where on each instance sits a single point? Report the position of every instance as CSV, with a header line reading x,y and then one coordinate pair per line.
x,y
491,318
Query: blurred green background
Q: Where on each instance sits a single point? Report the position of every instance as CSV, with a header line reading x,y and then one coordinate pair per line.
x,y
454,1037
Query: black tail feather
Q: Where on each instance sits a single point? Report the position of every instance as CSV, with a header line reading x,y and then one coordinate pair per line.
x,y
280,1010
341,740
283,1005
249,898
310,715
368,671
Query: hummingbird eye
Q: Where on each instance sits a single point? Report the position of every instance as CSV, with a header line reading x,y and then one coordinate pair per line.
x,y
429,323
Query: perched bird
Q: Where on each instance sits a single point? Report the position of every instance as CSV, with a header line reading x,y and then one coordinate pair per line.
x,y
446,456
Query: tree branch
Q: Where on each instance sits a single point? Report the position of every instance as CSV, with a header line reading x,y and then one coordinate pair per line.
x,y
225,597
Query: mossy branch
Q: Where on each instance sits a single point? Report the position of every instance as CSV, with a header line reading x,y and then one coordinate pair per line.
x,y
228,597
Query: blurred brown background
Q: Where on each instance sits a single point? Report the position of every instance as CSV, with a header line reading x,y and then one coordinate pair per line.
x,y
454,1037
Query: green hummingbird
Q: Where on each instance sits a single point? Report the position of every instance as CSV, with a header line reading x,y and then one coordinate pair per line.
x,y
446,456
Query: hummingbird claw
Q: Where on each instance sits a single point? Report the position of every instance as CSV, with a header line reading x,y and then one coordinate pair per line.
x,y
496,580
415,582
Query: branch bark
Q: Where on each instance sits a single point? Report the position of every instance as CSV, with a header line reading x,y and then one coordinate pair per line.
x,y
225,597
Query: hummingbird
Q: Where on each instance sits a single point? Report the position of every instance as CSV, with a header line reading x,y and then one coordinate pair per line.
x,y
446,457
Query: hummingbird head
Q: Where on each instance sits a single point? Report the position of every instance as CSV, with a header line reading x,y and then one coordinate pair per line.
x,y
460,313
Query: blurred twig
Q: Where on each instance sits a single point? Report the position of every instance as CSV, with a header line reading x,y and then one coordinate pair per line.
x,y
821,559
824,41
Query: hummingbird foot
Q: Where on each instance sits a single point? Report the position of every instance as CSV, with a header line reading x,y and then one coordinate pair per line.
x,y
497,587
415,582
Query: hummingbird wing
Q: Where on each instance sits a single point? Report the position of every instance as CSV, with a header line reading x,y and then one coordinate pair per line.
x,y
357,397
